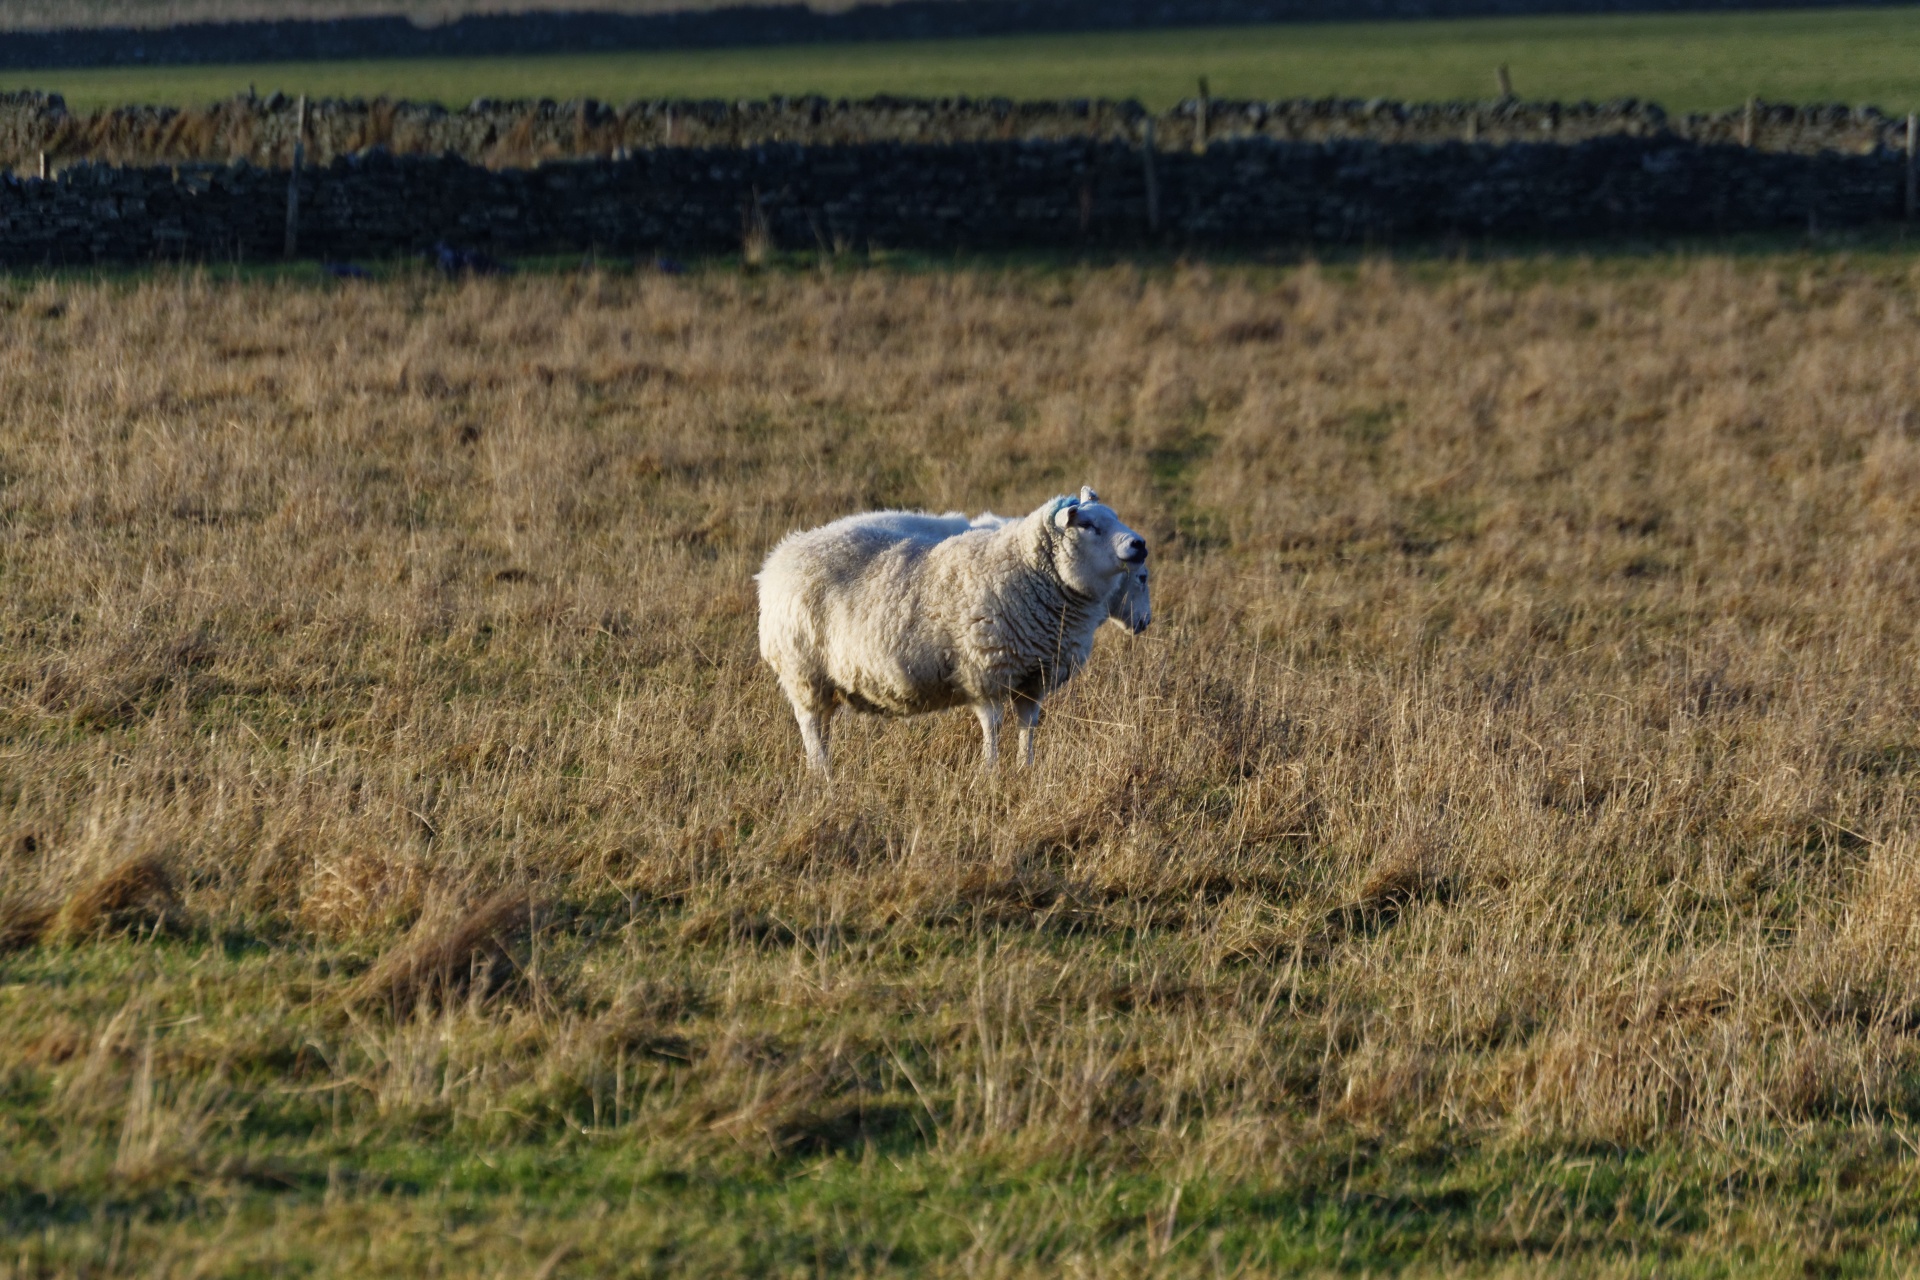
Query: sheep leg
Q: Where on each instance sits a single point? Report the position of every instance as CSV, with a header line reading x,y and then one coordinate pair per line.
x,y
989,713
814,727
1028,714
815,715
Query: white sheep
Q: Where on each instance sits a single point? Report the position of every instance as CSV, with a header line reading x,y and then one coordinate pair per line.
x,y
899,613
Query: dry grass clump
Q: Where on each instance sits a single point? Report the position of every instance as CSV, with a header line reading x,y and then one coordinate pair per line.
x,y
137,896
1523,758
24,924
463,952
1400,877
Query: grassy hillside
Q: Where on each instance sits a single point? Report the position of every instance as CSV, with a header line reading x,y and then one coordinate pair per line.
x,y
1499,853
1688,62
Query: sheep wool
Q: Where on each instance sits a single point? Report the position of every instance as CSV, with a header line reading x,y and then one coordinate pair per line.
x,y
1130,607
899,613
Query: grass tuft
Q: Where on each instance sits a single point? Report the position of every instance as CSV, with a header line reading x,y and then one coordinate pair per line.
x,y
137,896
1402,876
470,952
25,924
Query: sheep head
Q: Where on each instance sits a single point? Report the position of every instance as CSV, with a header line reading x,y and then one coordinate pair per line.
x,y
1093,553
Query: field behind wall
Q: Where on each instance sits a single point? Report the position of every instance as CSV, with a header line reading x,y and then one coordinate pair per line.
x,y
1684,61
1499,854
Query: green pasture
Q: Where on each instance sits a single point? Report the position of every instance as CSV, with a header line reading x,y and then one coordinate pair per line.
x,y
1686,61
311,1177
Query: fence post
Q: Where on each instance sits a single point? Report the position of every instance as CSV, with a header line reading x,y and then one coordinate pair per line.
x,y
293,177
1747,121
1200,119
43,166
1505,81
1913,179
1153,180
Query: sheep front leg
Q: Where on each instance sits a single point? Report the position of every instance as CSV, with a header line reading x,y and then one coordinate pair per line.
x,y
815,714
1028,714
989,714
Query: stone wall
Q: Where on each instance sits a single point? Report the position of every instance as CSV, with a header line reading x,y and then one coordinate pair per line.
x,y
518,134
996,195
516,34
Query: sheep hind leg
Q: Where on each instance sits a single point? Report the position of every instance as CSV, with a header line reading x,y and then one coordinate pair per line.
x,y
1028,714
989,714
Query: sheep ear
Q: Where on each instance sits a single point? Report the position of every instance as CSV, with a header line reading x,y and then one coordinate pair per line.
x,y
1070,515
1087,494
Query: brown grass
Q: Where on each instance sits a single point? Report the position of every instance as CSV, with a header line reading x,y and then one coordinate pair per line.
x,y
466,952
136,896
1524,750
24,924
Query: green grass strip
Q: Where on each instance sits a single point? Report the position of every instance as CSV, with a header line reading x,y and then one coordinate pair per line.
x,y
1686,61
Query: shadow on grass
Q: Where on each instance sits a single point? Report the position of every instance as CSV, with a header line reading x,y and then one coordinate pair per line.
x,y
1525,259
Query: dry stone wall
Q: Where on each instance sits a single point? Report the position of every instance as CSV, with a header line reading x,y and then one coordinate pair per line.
x,y
1061,194
261,130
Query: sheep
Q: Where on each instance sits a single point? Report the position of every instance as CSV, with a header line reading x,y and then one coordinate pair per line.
x,y
898,613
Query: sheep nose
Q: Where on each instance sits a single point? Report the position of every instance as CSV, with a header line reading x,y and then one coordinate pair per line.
x,y
1134,551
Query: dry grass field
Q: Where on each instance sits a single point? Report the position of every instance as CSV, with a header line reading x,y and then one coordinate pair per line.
x,y
1502,854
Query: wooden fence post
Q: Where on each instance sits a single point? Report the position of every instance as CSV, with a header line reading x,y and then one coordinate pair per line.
x,y
1747,119
1505,81
43,166
1153,180
293,177
1200,118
